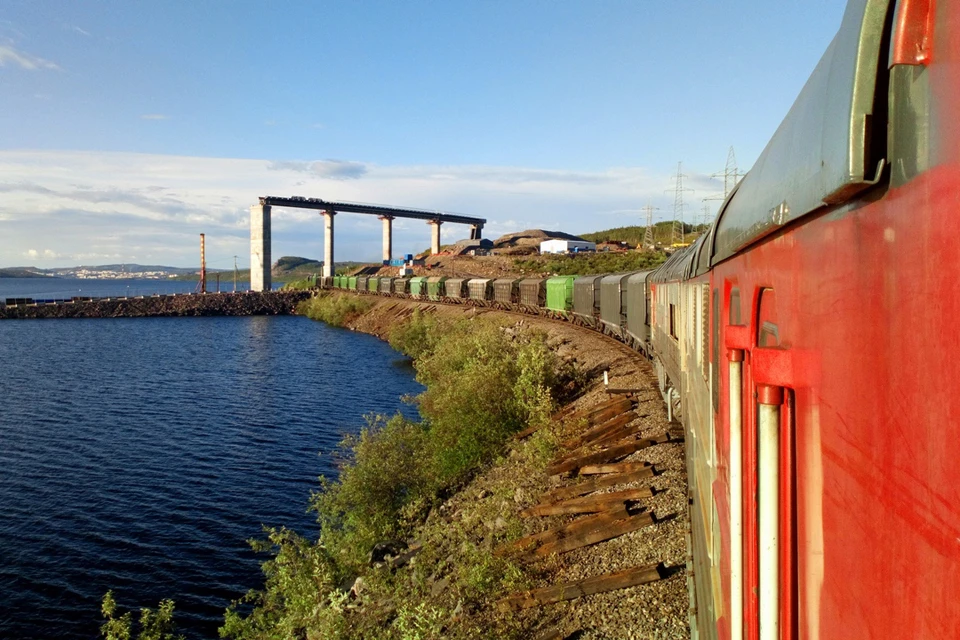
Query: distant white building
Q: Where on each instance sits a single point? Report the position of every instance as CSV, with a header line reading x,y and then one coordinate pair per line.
x,y
566,246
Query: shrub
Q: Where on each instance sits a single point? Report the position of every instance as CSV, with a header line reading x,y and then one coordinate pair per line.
x,y
416,337
335,309
154,625
386,471
299,594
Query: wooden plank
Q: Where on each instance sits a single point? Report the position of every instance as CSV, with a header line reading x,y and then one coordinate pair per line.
x,y
617,436
590,586
580,525
611,480
529,431
610,454
587,504
602,415
622,467
614,530
601,430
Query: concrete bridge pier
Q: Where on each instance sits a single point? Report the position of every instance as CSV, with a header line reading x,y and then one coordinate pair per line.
x,y
476,231
260,248
435,236
328,264
387,238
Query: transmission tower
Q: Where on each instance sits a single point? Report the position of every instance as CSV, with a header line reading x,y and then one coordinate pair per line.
x,y
731,175
676,231
706,215
649,241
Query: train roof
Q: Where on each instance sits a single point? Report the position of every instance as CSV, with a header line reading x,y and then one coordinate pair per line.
x,y
822,153
679,266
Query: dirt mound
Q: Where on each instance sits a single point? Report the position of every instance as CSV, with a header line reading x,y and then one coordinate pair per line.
x,y
531,237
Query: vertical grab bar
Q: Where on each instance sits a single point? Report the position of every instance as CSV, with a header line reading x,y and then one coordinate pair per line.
x,y
735,357
769,400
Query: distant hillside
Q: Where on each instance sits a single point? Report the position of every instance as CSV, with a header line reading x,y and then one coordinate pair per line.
x,y
22,272
634,235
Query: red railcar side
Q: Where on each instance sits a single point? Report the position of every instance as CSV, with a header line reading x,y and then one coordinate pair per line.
x,y
844,321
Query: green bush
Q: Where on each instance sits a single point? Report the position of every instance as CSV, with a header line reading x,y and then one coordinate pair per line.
x,y
386,472
300,285
336,309
299,594
416,337
154,625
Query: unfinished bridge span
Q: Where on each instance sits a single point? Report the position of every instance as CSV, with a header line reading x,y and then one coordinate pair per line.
x,y
260,253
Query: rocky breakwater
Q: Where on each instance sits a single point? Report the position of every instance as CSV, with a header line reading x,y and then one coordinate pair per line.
x,y
266,303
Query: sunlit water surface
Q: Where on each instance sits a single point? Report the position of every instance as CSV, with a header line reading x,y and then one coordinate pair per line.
x,y
140,455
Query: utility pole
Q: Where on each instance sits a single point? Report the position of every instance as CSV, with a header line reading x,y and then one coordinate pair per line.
x,y
203,264
649,242
677,230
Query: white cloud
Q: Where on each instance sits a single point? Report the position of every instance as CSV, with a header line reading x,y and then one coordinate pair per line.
x,y
154,116
77,29
9,55
126,204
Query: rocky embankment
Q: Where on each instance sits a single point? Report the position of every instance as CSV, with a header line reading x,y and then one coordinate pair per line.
x,y
267,303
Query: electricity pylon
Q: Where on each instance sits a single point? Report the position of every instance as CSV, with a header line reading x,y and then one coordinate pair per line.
x,y
648,240
676,230
731,175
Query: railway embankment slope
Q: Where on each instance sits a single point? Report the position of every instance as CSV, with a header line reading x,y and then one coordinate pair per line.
x,y
572,525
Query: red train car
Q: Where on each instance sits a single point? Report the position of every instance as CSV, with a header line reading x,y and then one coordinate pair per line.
x,y
811,343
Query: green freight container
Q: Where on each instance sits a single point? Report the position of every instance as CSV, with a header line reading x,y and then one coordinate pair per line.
x,y
373,284
418,287
560,293
336,282
352,282
362,283
435,287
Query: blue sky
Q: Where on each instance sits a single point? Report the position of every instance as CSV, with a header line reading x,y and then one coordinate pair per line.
x,y
127,128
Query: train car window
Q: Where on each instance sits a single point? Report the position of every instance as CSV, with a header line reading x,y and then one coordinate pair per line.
x,y
715,361
673,321
908,136
735,317
768,330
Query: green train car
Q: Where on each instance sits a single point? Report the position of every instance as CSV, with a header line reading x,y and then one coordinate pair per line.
x,y
560,293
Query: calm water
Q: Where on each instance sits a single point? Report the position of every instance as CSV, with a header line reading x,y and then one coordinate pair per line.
x,y
140,454
66,288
